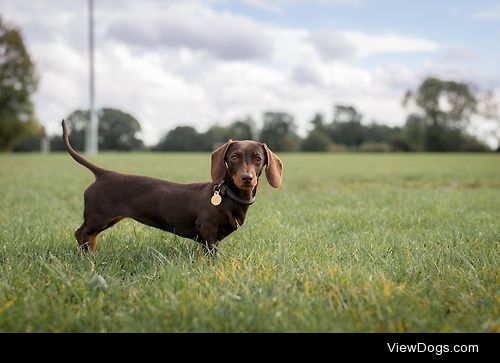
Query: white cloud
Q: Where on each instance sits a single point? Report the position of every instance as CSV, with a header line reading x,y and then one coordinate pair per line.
x,y
264,5
144,86
488,14
458,53
190,25
277,6
371,44
290,46
332,44
187,63
306,74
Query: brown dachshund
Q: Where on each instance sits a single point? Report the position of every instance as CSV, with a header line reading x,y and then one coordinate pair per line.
x,y
204,212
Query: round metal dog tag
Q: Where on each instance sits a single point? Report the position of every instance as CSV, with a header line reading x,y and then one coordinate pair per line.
x,y
216,199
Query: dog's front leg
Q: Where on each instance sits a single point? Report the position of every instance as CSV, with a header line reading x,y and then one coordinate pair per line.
x,y
208,237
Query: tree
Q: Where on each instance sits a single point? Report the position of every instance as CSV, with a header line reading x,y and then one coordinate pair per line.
x,y
118,131
317,139
375,132
217,135
445,104
18,81
444,110
241,130
318,123
182,138
414,132
278,132
490,111
346,127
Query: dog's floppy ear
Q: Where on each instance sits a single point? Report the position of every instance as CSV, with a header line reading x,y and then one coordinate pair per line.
x,y
218,168
274,168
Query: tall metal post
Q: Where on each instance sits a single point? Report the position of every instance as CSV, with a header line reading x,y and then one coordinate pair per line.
x,y
91,136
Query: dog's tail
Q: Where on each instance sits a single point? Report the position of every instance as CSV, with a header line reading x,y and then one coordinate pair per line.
x,y
80,159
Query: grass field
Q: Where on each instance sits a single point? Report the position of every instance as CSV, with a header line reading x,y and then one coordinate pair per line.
x,y
350,243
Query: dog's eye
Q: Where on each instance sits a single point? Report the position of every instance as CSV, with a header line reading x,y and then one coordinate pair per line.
x,y
258,159
234,157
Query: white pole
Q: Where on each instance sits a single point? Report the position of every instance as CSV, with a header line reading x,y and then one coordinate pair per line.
x,y
91,146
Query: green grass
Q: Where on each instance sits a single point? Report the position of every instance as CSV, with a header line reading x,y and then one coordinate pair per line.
x,y
350,243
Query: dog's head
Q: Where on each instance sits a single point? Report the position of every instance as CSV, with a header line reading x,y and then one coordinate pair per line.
x,y
243,162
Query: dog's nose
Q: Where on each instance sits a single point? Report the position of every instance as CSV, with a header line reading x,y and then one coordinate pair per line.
x,y
247,178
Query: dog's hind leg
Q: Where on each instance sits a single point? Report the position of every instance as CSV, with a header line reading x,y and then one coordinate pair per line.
x,y
86,237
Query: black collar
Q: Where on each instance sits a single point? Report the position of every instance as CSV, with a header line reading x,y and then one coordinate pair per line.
x,y
225,191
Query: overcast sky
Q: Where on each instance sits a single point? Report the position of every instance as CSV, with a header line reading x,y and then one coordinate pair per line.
x,y
200,62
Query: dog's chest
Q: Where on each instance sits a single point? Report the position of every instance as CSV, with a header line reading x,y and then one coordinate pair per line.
x,y
226,229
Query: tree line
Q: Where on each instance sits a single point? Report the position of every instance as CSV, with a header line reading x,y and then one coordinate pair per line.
x,y
439,112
